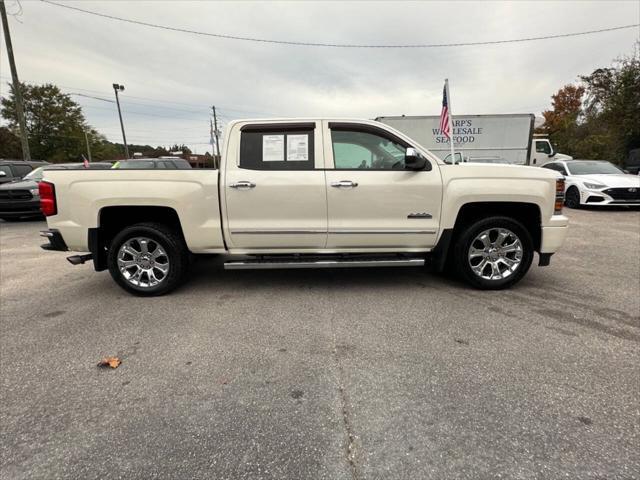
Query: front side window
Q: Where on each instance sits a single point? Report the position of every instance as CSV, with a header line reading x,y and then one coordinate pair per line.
x,y
354,149
277,149
543,147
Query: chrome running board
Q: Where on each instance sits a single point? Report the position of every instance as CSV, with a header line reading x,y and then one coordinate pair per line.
x,y
272,264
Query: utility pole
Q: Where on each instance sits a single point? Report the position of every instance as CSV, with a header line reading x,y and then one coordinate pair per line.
x,y
86,138
211,140
117,88
17,92
215,131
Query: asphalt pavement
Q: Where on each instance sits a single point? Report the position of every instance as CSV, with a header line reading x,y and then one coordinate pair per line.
x,y
343,374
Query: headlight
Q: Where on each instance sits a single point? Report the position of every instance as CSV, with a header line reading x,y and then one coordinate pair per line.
x,y
593,185
34,191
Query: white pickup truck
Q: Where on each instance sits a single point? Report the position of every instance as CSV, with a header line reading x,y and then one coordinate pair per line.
x,y
301,193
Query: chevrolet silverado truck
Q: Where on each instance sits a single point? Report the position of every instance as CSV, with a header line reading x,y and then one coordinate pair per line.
x,y
308,194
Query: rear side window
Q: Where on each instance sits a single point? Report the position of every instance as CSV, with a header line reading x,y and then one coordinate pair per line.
x,y
22,170
7,170
277,149
182,164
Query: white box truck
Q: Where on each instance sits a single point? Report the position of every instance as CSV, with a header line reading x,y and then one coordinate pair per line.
x,y
506,138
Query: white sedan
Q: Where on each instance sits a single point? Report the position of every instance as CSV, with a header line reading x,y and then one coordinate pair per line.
x,y
596,182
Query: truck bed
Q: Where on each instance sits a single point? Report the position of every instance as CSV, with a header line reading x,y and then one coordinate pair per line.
x,y
191,194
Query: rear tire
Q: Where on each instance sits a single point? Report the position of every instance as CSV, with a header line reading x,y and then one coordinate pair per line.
x,y
572,198
493,253
148,259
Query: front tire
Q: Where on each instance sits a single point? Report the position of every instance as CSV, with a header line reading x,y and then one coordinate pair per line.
x,y
493,253
148,259
572,198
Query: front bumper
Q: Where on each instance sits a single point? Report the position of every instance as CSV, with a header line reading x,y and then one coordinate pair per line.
x,y
600,197
17,208
56,242
554,234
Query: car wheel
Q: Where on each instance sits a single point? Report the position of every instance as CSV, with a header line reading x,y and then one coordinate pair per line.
x,y
572,198
148,259
493,253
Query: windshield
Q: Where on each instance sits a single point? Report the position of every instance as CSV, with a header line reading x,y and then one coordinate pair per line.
x,y
593,168
35,175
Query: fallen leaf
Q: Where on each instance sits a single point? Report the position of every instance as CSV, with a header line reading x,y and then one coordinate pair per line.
x,y
112,362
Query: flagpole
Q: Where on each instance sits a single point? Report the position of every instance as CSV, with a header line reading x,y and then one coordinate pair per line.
x,y
453,154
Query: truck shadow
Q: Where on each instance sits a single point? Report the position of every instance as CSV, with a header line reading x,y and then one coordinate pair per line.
x,y
615,208
208,273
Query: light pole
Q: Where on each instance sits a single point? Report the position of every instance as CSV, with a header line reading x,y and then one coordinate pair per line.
x,y
117,87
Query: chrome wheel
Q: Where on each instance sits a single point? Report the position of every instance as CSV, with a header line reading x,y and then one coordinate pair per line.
x,y
143,262
495,254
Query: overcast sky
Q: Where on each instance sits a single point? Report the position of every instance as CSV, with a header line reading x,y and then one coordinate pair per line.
x,y
85,54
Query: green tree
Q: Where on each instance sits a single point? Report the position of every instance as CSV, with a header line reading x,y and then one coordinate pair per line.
x,y
55,123
561,122
599,119
180,148
612,106
9,144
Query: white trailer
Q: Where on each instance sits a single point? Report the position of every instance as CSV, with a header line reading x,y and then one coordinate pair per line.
x,y
504,138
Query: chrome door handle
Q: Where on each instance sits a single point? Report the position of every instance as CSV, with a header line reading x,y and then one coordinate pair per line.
x,y
344,184
243,185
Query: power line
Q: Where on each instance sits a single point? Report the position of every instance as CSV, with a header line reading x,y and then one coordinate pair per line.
x,y
156,100
134,112
91,96
337,45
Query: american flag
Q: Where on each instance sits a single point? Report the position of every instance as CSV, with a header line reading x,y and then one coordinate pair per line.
x,y
445,126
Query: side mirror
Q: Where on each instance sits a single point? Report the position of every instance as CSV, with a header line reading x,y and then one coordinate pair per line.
x,y
413,160
552,154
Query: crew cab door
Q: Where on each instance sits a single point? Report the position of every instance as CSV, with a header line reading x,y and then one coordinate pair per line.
x,y
273,190
373,201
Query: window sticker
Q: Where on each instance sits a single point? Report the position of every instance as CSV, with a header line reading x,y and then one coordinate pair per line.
x,y
297,148
273,148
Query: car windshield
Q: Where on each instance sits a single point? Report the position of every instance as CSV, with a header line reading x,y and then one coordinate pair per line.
x,y
593,168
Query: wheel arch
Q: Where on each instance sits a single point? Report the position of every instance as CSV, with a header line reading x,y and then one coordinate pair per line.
x,y
113,219
528,214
